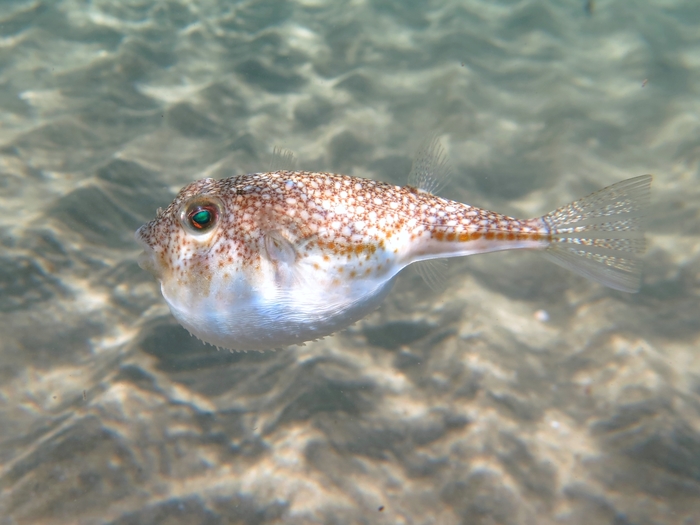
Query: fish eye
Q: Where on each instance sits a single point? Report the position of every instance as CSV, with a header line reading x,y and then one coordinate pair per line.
x,y
200,216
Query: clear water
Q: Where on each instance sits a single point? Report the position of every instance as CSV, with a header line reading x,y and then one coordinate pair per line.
x,y
522,394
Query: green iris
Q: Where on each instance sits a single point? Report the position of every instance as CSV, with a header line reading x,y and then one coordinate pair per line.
x,y
202,218
200,215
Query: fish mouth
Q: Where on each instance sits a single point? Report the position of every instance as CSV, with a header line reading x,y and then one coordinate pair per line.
x,y
147,258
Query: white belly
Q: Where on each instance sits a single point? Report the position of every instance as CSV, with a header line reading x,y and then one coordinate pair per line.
x,y
241,318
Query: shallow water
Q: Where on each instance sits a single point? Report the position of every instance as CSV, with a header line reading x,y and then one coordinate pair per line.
x,y
522,394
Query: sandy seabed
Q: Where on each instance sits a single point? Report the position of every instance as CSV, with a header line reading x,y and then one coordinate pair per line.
x,y
522,394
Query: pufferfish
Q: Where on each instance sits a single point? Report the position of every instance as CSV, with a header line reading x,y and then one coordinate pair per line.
x,y
268,260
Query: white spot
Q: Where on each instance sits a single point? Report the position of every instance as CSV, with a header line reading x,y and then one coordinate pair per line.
x,y
340,209
378,201
347,232
343,194
336,225
304,215
373,216
393,205
359,226
289,184
358,186
542,316
291,201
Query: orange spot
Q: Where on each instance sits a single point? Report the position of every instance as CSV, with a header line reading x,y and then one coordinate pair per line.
x,y
331,245
535,236
326,258
353,273
511,236
500,236
341,269
490,236
451,236
359,248
476,235
463,237
316,266
439,235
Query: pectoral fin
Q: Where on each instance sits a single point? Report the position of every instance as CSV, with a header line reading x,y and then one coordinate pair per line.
x,y
278,249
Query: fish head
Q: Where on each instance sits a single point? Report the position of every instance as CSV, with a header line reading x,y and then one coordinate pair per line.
x,y
184,244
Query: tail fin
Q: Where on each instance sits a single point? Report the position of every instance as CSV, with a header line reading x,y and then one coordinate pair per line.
x,y
602,235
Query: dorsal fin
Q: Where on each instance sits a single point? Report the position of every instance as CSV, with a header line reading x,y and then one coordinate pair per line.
x,y
282,160
431,170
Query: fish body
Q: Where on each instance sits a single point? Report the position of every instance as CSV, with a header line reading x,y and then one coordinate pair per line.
x,y
268,260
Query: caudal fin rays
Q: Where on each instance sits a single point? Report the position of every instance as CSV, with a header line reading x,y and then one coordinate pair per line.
x,y
601,236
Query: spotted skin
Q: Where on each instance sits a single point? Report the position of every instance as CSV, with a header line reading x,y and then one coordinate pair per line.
x,y
295,256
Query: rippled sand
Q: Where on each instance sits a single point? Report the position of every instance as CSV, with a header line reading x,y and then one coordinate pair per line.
x,y
521,395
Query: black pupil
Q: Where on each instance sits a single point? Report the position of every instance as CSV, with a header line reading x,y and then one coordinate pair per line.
x,y
201,218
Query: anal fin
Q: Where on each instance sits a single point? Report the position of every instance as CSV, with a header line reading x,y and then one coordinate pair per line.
x,y
433,272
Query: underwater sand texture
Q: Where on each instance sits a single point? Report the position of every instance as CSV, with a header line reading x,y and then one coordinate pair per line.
x,y
522,394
